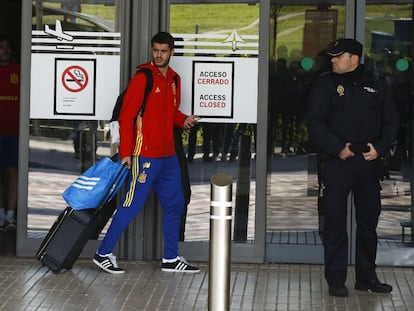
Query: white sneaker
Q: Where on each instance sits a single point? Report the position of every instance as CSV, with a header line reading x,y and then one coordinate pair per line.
x,y
180,265
107,263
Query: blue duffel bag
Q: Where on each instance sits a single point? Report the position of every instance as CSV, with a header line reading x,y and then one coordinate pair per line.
x,y
97,185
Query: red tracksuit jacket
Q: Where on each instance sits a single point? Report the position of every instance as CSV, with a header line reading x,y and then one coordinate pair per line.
x,y
152,135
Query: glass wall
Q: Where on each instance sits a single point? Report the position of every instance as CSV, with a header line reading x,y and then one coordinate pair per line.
x,y
298,34
388,50
298,37
220,41
72,45
217,58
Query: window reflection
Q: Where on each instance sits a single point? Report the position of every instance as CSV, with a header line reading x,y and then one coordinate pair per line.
x,y
387,51
63,147
219,33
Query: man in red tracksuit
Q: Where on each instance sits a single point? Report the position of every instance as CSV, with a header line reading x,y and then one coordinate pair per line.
x,y
147,146
9,134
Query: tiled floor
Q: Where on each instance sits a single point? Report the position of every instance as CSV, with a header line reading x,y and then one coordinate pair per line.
x,y
26,285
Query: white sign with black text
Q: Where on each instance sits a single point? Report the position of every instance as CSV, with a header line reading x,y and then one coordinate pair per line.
x,y
74,75
75,86
213,89
218,89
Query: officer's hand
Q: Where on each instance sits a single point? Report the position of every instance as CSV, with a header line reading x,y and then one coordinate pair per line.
x,y
372,154
127,161
346,152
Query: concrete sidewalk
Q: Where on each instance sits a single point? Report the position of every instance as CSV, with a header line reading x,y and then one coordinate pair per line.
x,y
26,285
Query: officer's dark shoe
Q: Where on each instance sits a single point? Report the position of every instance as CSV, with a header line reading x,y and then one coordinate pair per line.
x,y
338,290
373,286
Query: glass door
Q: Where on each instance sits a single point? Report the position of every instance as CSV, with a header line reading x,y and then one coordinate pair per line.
x,y
388,49
72,44
216,56
297,36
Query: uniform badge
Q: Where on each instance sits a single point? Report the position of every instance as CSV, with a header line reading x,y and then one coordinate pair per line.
x,y
142,178
146,165
14,78
340,90
370,89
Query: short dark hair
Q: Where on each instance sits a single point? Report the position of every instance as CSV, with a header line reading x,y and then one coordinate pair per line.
x,y
163,37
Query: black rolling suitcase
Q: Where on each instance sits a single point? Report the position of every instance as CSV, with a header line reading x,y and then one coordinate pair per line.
x,y
73,228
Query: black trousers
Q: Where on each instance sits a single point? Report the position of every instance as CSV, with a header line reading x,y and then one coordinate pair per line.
x,y
340,178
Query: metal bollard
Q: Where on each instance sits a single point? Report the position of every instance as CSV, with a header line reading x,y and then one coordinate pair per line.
x,y
220,242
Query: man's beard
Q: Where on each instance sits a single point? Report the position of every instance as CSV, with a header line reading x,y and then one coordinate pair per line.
x,y
162,64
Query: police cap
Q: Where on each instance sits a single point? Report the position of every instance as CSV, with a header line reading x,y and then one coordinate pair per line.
x,y
341,46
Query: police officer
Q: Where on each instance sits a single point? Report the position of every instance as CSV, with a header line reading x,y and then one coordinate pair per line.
x,y
353,121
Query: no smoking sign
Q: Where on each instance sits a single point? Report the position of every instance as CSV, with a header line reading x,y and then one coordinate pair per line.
x,y
75,78
75,86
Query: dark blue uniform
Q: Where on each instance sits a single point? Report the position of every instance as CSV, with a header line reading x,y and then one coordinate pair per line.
x,y
356,108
